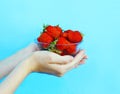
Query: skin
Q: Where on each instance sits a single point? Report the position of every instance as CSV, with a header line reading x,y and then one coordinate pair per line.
x,y
36,61
7,65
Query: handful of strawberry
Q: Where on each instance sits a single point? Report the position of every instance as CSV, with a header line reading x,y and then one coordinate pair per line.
x,y
54,39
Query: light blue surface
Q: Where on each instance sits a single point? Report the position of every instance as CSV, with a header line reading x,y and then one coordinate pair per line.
x,y
99,20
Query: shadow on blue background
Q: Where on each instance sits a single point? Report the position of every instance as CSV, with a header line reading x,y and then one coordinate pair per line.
x,y
22,20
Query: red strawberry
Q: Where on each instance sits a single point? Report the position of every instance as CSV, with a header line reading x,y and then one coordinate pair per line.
x,y
65,33
71,49
62,43
75,36
53,31
46,39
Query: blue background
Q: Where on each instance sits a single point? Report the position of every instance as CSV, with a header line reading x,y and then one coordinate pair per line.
x,y
22,20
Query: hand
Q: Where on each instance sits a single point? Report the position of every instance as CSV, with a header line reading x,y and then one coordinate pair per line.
x,y
41,61
49,62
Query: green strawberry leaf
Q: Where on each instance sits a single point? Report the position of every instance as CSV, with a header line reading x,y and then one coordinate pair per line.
x,y
52,47
44,27
58,25
52,44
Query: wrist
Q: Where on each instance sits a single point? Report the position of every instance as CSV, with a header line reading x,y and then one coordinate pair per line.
x,y
31,63
34,63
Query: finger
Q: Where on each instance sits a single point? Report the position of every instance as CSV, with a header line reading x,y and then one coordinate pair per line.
x,y
63,68
83,60
76,60
85,57
61,59
78,57
80,63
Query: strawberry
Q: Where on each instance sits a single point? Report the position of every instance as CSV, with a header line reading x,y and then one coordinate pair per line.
x,y
75,36
53,31
65,33
45,39
62,43
71,49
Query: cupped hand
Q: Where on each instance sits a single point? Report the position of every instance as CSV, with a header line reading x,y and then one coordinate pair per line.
x,y
52,63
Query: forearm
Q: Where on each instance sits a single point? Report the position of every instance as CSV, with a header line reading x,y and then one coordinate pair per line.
x,y
7,65
9,85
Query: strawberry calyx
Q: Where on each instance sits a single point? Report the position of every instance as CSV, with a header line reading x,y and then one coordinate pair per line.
x,y
52,47
44,27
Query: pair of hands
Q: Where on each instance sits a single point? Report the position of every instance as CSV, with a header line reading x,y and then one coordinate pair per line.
x,y
32,59
52,63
